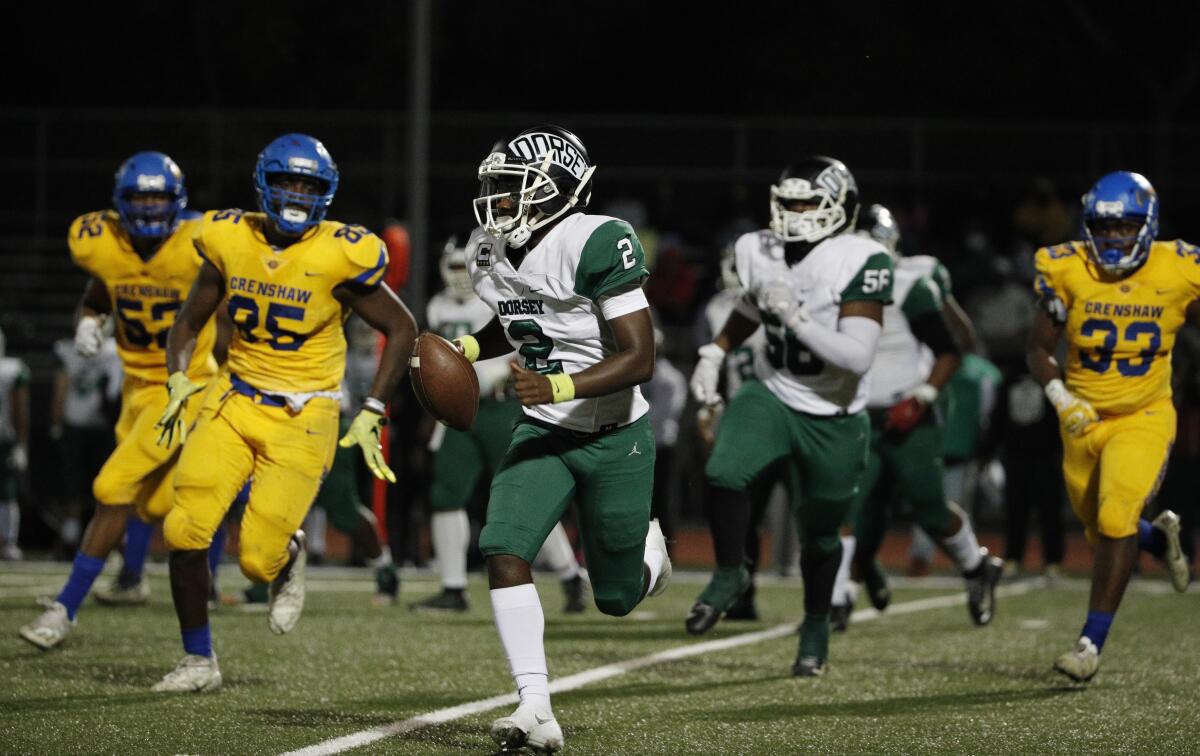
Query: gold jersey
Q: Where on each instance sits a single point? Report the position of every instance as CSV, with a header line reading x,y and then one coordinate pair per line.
x,y
1120,331
145,294
288,334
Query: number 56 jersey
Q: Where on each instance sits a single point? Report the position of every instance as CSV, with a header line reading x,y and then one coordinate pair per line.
x,y
1120,331
288,334
145,294
840,269
551,306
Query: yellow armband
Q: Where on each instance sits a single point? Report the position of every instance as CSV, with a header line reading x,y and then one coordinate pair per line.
x,y
470,347
562,388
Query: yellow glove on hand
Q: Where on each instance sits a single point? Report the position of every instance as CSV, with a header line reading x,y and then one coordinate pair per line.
x,y
469,346
179,388
1074,413
364,431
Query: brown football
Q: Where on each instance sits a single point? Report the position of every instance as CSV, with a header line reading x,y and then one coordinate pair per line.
x,y
444,382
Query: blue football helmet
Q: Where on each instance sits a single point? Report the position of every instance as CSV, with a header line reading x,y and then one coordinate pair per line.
x,y
296,155
1120,196
149,173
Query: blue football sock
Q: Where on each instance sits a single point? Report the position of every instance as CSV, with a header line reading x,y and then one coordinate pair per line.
x,y
1151,539
1096,628
197,641
83,574
215,550
137,545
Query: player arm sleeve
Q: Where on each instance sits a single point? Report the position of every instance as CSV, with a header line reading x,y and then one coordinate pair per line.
x,y
623,300
851,347
612,258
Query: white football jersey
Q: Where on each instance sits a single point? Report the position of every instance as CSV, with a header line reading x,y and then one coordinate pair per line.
x,y
839,269
549,307
89,381
903,363
451,317
13,372
739,363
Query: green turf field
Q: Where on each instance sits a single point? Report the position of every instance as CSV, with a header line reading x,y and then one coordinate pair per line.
x,y
924,681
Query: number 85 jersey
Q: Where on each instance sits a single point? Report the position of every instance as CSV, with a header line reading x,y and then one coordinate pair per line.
x,y
840,269
555,303
1119,331
288,334
145,294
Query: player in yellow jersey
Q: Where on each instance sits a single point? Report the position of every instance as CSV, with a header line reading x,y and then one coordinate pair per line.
x,y
288,279
142,263
1119,297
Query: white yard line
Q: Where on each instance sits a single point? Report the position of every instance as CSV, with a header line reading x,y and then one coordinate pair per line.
x,y
589,676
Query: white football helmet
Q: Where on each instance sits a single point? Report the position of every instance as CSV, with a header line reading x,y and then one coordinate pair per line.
x,y
877,223
823,181
453,267
531,182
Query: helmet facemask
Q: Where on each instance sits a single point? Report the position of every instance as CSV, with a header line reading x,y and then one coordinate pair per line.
x,y
1114,249
812,225
530,196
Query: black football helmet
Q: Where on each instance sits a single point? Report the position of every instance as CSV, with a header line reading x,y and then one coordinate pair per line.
x,y
876,222
531,181
824,181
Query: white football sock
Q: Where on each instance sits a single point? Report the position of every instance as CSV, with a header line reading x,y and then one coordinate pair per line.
x,y
10,522
841,583
521,624
384,559
558,556
451,536
654,562
963,546
314,528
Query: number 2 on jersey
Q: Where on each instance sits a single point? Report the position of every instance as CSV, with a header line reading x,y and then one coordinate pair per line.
x,y
536,350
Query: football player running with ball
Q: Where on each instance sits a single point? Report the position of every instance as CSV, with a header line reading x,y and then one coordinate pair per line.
x,y
288,278
819,291
1119,297
566,291
141,262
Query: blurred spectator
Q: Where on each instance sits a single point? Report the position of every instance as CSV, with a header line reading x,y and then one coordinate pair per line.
x,y
673,283
1002,313
87,391
667,394
1041,217
14,447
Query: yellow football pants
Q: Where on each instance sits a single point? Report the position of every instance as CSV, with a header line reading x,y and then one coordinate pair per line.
x,y
138,472
237,438
1115,468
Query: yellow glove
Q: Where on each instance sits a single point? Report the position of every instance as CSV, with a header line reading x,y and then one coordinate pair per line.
x,y
364,431
179,388
1074,413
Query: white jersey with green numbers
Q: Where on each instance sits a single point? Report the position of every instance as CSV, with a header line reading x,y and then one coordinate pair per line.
x,y
452,317
739,363
902,362
840,269
549,307
13,373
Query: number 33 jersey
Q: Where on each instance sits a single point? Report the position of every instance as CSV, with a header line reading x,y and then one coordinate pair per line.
x,y
1119,331
550,307
288,334
840,269
145,294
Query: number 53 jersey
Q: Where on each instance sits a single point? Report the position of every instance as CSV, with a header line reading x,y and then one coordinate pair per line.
x,y
1120,331
551,306
145,294
288,335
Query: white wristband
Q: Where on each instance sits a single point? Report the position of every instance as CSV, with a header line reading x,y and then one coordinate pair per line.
x,y
375,405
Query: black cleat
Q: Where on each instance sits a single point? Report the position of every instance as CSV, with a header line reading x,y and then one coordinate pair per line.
x,y
701,618
743,609
839,617
387,586
449,600
575,592
981,588
808,666
877,586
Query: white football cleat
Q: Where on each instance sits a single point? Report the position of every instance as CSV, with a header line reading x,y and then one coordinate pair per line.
x,y
657,542
50,628
193,674
285,597
117,595
1080,663
1175,560
528,728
